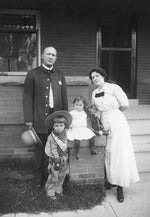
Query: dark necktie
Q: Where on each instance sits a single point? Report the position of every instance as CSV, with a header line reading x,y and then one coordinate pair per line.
x,y
99,94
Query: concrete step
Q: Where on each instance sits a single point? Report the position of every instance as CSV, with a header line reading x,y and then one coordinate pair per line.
x,y
133,102
139,119
143,161
139,127
144,177
138,112
141,143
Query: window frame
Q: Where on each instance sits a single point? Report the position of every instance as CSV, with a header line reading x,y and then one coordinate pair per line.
x,y
37,30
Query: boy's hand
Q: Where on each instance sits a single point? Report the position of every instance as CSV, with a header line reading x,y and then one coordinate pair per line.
x,y
64,159
57,164
56,159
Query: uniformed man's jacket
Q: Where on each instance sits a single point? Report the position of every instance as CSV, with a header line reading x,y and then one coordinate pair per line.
x,y
36,96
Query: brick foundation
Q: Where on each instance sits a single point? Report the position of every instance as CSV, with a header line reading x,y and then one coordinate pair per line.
x,y
89,169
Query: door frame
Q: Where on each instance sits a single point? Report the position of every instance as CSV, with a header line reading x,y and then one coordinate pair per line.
x,y
99,49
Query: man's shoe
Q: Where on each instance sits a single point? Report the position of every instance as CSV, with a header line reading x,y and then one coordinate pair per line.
x,y
120,196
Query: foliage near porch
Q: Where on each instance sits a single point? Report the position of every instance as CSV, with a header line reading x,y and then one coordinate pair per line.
x,y
19,194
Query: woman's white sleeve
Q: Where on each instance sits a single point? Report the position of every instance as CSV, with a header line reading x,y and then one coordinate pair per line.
x,y
120,95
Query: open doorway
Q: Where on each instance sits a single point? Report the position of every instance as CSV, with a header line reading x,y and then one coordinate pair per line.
x,y
117,54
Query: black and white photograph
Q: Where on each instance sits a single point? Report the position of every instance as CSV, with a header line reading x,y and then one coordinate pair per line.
x,y
74,108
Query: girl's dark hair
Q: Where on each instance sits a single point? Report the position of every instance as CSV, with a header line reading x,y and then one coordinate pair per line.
x,y
99,70
60,119
80,98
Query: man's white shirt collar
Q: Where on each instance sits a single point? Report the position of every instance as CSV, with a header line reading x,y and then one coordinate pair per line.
x,y
47,67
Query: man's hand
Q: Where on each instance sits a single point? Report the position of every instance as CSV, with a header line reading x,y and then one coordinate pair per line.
x,y
29,124
100,132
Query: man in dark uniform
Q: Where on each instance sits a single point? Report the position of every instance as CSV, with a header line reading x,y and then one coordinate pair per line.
x,y
44,92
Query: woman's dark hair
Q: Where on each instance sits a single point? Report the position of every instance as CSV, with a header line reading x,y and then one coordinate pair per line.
x,y
99,70
80,98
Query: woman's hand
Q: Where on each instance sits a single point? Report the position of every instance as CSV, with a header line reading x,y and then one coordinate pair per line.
x,y
123,108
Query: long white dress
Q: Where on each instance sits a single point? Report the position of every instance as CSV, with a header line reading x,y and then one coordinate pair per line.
x,y
78,129
120,161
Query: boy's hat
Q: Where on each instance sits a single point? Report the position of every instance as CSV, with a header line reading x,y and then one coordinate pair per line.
x,y
30,137
63,113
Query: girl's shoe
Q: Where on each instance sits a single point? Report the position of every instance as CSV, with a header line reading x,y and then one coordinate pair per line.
x,y
120,196
93,152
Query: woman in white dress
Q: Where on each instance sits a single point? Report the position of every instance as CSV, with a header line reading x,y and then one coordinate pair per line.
x,y
78,129
111,100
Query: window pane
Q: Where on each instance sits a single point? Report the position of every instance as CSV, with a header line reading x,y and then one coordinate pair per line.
x,y
17,21
116,36
118,67
18,51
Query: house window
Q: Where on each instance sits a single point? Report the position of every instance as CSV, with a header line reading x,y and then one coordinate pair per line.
x,y
18,41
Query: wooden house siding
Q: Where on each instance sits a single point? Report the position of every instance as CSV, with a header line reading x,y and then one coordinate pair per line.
x,y
74,38
143,60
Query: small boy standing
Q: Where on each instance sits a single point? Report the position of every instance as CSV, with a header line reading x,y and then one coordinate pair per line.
x,y
57,151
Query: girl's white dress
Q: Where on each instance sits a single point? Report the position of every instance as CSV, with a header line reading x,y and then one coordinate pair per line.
x,y
120,161
78,129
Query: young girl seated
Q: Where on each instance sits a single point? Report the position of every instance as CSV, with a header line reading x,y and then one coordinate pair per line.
x,y
57,151
78,129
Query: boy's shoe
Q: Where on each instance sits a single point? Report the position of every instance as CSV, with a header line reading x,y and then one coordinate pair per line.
x,y
53,197
60,194
78,156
